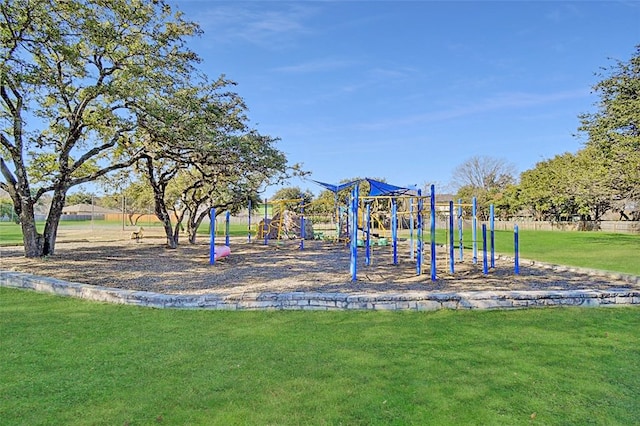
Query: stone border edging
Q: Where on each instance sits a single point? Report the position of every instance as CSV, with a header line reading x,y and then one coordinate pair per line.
x,y
629,278
417,301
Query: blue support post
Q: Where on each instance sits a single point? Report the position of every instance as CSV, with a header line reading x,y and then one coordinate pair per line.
x,y
212,236
349,219
517,250
485,269
451,251
474,230
394,229
492,230
302,231
337,217
419,253
354,234
227,223
367,224
411,225
433,232
265,227
460,245
249,225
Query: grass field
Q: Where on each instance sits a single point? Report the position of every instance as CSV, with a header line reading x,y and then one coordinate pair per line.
x,y
73,362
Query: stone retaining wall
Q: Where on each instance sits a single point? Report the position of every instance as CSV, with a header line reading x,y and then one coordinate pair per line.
x,y
417,301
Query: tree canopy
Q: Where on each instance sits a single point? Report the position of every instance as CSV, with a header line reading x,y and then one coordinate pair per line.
x,y
89,88
613,131
606,172
487,179
67,68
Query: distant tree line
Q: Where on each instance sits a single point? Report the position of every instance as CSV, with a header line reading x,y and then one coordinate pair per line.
x,y
602,177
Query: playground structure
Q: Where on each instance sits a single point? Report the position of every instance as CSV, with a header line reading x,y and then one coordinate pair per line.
x,y
284,223
387,215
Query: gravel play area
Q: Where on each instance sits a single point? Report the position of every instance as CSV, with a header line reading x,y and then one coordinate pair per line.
x,y
116,261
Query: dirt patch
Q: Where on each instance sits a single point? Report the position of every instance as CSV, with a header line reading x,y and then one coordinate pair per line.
x,y
148,265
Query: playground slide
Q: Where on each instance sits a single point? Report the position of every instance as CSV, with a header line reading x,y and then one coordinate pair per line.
x,y
221,251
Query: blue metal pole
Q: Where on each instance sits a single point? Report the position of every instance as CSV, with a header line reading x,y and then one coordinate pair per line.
x,y
349,219
249,226
419,253
367,220
451,251
336,209
394,229
492,232
302,230
485,269
517,250
265,227
460,245
227,222
433,232
212,236
354,234
411,224
474,230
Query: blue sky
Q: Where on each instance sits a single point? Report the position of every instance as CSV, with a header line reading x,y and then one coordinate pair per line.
x,y
407,91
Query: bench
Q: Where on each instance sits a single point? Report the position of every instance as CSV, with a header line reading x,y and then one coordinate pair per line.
x,y
137,234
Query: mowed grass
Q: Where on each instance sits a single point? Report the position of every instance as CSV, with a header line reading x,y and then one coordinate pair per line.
x,y
73,362
596,250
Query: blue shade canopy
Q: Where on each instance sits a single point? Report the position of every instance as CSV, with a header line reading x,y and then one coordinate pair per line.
x,y
381,188
336,188
377,187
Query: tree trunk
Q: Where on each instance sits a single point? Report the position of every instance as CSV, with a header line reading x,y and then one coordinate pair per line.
x,y
172,239
32,240
53,220
191,231
194,223
176,231
160,206
163,214
176,234
23,205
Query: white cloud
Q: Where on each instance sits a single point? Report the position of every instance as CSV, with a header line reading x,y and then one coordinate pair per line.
x,y
319,65
252,23
506,101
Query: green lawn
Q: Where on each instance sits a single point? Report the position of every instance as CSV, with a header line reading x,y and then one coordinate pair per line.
x,y
73,362
597,250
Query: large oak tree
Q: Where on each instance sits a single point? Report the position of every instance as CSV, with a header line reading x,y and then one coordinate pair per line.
x,y
199,151
66,71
